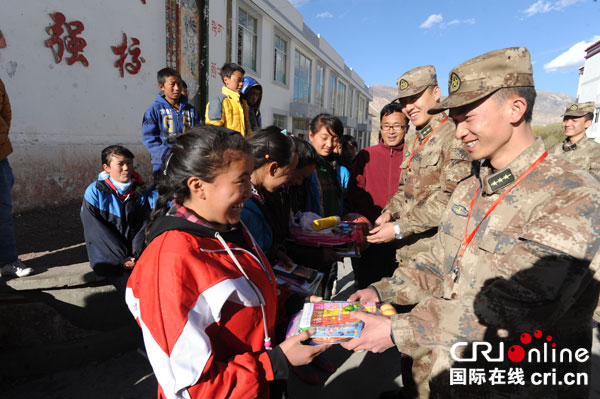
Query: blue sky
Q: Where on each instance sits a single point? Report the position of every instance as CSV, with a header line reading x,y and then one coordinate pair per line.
x,y
381,39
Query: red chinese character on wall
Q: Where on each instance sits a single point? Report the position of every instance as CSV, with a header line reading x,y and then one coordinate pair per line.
x,y
2,40
56,30
71,42
213,70
123,51
215,27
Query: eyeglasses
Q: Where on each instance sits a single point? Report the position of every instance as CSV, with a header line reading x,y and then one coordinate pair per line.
x,y
396,127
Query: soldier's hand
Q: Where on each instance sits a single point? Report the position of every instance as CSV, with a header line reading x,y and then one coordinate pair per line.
x,y
297,353
375,336
381,233
364,295
383,218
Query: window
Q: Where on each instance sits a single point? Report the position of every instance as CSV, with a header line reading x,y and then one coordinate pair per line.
x,y
300,127
361,110
332,82
280,121
246,40
340,99
301,78
279,70
320,86
362,137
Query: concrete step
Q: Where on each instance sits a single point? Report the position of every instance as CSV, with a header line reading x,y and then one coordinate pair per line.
x,y
61,318
54,277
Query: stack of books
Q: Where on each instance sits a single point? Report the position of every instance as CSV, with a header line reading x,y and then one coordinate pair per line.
x,y
331,320
298,279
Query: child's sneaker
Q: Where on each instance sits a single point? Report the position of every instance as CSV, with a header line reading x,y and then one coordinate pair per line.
x,y
16,268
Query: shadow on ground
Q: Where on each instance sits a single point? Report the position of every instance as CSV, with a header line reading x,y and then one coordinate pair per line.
x,y
50,236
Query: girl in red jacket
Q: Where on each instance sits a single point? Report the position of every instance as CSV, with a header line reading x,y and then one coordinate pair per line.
x,y
202,291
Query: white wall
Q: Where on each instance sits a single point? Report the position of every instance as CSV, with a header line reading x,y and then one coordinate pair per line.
x,y
589,89
217,47
277,97
63,115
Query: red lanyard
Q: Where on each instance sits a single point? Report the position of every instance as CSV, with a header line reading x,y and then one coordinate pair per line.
x,y
413,152
469,237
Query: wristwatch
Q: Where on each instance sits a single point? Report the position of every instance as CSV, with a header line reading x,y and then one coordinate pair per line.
x,y
397,232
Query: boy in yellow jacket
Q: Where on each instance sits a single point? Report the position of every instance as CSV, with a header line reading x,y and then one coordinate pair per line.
x,y
229,109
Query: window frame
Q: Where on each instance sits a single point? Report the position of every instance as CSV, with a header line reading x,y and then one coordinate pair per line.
x,y
361,109
240,42
298,55
300,127
332,92
340,106
320,85
275,117
285,41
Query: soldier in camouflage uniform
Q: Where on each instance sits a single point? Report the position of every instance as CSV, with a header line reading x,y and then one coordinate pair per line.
x,y
577,147
433,164
514,246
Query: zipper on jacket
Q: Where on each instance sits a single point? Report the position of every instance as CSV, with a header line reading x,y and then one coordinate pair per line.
x,y
390,167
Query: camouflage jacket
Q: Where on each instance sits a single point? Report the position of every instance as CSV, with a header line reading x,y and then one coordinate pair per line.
x,y
426,185
526,268
585,154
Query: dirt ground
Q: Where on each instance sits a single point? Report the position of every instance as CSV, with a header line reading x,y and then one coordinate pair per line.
x,y
50,236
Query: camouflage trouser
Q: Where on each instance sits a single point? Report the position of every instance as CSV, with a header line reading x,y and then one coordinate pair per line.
x,y
421,371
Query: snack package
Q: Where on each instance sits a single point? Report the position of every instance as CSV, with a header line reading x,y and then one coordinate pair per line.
x,y
331,320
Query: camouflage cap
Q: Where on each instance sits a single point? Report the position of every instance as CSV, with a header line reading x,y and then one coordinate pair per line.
x,y
580,109
481,76
416,80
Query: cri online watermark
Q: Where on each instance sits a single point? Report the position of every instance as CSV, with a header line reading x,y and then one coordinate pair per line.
x,y
517,354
